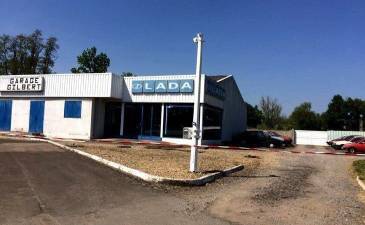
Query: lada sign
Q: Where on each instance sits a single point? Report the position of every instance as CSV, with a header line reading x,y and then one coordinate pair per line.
x,y
162,86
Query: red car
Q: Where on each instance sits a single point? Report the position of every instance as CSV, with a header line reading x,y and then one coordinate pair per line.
x,y
357,146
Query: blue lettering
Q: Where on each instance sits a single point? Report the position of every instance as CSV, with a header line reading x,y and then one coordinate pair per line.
x,y
149,86
137,86
187,86
162,86
173,86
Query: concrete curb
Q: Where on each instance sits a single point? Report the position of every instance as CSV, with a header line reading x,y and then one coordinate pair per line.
x,y
140,174
152,178
361,183
199,146
330,153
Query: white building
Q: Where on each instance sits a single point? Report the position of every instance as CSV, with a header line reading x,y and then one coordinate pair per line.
x,y
86,106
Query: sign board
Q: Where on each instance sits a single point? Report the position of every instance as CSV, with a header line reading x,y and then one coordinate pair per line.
x,y
21,83
213,89
162,86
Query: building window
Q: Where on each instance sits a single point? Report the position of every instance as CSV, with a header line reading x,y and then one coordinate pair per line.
x,y
72,109
177,116
142,120
212,123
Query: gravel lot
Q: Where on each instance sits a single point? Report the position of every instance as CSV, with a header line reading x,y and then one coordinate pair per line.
x,y
303,189
167,161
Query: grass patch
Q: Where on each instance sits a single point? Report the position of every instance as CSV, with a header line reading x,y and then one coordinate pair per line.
x,y
359,167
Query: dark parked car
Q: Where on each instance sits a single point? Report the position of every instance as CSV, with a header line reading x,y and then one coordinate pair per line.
x,y
258,138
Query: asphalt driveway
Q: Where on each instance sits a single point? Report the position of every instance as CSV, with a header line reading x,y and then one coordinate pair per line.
x,y
42,184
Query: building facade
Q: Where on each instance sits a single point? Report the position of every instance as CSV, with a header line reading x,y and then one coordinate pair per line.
x,y
99,105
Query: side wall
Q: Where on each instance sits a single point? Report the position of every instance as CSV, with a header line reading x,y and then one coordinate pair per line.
x,y
55,125
235,111
75,85
20,115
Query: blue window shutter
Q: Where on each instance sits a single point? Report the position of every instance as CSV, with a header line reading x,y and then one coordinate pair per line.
x,y
72,109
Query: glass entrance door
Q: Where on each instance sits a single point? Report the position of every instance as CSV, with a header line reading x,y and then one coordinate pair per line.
x,y
151,120
142,121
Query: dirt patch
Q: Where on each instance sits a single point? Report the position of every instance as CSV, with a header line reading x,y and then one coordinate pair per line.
x,y
290,185
167,161
6,140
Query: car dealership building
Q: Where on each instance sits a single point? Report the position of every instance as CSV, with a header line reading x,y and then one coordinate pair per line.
x,y
99,105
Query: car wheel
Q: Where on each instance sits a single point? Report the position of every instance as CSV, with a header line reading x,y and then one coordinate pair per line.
x,y
271,145
352,150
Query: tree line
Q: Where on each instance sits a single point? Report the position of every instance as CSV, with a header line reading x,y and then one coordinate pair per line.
x,y
341,114
27,54
35,54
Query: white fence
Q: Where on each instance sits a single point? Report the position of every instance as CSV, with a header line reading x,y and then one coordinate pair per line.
x,y
311,137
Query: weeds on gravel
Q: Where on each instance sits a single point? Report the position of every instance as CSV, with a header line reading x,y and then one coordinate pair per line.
x,y
359,167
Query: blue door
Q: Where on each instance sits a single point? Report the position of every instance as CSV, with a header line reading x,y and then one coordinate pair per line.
x,y
5,115
36,117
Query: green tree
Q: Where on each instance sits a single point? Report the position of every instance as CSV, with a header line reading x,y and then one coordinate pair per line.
x,y
91,62
353,108
335,114
5,41
47,60
271,113
254,116
303,118
35,46
27,54
343,114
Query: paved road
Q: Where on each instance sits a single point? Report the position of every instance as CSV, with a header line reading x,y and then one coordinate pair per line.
x,y
41,184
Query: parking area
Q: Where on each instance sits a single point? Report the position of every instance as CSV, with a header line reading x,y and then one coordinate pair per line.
x,y
42,184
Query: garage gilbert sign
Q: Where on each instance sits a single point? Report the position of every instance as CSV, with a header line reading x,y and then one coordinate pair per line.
x,y
162,86
22,83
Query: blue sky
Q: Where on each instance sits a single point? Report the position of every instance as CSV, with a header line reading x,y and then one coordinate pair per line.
x,y
292,50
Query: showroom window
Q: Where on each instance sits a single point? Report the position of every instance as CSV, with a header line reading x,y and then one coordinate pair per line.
x,y
212,123
72,109
177,116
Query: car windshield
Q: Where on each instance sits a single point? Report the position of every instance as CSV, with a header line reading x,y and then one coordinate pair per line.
x,y
272,133
357,139
348,138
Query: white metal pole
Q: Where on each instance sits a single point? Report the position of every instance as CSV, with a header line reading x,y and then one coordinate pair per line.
x,y
196,118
